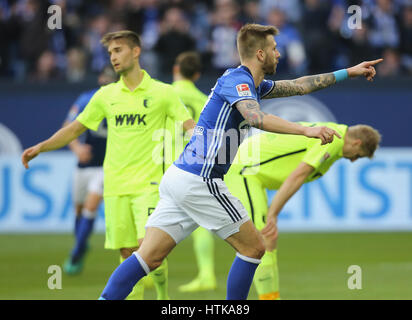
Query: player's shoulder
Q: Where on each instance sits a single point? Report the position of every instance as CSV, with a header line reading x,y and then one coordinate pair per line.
x,y
160,85
84,98
108,87
100,92
235,75
189,90
239,79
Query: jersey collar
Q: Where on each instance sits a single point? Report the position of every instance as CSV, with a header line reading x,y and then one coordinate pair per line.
x,y
248,71
142,86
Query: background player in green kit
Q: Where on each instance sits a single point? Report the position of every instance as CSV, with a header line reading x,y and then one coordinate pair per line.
x,y
186,71
135,107
285,162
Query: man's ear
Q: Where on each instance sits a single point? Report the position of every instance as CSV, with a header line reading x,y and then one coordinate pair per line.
x,y
357,142
136,51
260,54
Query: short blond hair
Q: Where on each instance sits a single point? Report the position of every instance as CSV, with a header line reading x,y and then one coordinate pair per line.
x,y
252,37
369,136
132,37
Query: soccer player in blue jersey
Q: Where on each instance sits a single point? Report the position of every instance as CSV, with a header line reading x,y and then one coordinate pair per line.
x,y
192,191
88,178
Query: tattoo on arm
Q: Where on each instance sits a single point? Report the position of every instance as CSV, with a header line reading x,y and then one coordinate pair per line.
x,y
250,110
301,86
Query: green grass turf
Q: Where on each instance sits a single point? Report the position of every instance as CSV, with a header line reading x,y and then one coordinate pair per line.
x,y
312,266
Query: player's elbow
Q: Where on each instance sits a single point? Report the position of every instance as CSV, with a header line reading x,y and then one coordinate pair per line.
x,y
302,172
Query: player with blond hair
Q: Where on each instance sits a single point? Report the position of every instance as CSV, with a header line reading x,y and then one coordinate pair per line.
x,y
192,191
284,163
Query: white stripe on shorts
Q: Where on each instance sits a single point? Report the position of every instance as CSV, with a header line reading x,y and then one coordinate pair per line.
x,y
223,200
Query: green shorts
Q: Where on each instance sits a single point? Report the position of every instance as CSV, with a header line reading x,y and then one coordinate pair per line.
x,y
125,218
249,190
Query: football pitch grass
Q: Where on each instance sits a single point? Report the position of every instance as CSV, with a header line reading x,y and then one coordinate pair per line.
x,y
312,266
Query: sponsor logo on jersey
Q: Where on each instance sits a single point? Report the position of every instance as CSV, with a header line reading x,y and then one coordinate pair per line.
x,y
243,90
130,119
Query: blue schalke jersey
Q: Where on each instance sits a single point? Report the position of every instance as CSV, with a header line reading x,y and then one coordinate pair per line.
x,y
221,128
96,139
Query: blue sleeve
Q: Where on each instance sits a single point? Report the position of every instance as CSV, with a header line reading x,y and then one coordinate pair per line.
x,y
236,87
265,87
79,105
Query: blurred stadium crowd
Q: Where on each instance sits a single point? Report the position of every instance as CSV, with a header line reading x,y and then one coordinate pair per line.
x,y
314,37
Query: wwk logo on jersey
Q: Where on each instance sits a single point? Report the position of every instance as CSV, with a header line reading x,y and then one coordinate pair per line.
x,y
130,119
243,90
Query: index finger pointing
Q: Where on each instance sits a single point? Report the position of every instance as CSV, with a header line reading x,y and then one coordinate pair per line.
x,y
372,63
337,134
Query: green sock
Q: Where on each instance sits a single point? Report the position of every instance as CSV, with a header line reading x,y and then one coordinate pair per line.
x,y
160,279
266,278
138,290
203,245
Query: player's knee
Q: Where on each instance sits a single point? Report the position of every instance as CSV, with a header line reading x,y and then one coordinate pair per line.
x,y
153,260
126,252
260,250
256,251
154,264
92,208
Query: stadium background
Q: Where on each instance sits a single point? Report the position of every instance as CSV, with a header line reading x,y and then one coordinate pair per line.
x,y
358,214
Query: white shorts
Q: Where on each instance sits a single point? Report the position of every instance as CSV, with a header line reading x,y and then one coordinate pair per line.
x,y
188,201
85,181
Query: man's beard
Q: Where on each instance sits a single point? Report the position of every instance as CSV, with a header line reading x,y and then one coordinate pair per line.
x,y
269,68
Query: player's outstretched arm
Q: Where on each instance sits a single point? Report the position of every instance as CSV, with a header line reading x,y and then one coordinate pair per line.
x,y
250,110
288,188
83,151
308,84
61,138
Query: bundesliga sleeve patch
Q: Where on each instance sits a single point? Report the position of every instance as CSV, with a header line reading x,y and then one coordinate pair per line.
x,y
243,90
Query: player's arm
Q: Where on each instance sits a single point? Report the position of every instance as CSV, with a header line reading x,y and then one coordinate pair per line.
x,y
60,139
308,84
250,110
188,127
288,188
83,151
